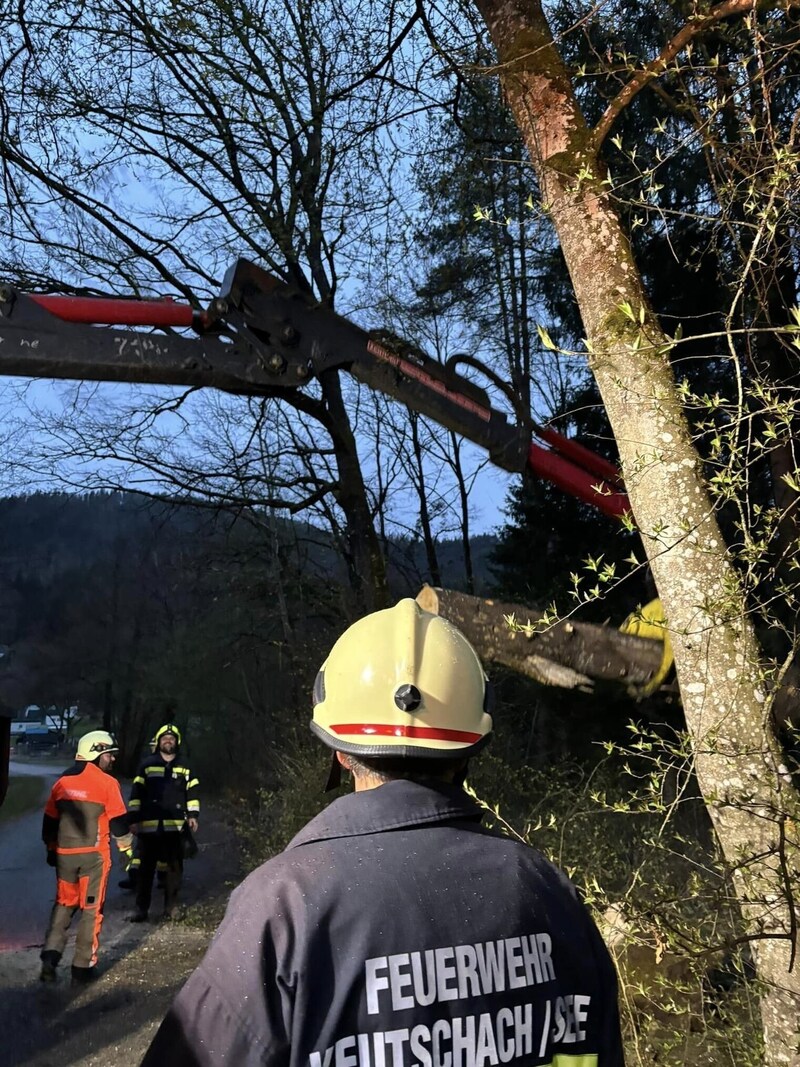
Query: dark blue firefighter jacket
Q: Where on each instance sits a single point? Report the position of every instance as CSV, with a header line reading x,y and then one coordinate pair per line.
x,y
395,931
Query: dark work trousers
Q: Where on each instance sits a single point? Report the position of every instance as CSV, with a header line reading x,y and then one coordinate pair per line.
x,y
81,886
166,846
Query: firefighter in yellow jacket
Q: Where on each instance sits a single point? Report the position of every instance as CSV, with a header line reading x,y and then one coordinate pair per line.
x,y
84,810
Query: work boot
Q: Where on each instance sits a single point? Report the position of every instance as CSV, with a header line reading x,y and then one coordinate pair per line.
x,y
138,917
49,963
129,882
83,975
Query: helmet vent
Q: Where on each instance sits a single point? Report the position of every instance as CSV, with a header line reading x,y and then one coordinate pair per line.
x,y
408,698
319,688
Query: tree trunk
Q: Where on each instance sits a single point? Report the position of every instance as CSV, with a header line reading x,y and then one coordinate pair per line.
x,y
717,656
568,654
463,501
365,563
424,511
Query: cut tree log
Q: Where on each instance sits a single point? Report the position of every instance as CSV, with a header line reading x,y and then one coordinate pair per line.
x,y
573,655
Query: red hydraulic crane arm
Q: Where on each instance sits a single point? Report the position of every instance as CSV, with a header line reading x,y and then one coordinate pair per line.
x,y
261,337
119,311
601,492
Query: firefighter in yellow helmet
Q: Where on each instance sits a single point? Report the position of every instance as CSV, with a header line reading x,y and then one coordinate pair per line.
x,y
164,804
394,929
84,809
416,685
131,879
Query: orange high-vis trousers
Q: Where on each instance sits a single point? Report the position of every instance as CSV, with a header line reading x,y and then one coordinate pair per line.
x,y
82,881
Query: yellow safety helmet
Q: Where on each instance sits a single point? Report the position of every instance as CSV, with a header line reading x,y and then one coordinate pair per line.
x,y
94,744
650,622
167,728
402,682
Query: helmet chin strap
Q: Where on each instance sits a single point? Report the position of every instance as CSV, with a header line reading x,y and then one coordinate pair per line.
x,y
334,775
461,776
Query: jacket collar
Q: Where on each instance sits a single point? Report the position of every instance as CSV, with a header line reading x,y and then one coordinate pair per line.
x,y
393,806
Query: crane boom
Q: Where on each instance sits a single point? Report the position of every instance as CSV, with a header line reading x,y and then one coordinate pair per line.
x,y
260,337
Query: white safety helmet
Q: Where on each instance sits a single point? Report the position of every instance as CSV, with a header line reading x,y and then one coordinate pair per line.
x,y
94,744
402,682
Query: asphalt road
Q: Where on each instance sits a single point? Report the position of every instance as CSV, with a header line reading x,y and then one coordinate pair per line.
x,y
36,768
110,1022
27,884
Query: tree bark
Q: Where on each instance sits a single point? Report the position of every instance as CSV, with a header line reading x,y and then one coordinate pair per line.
x,y
567,654
717,656
365,562
424,511
463,502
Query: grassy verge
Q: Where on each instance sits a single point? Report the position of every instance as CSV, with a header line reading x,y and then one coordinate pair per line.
x,y
24,794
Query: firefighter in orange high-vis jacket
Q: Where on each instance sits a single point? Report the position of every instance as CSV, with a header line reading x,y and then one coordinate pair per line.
x,y
84,810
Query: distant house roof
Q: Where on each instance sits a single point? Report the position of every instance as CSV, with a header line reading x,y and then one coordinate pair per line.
x,y
33,713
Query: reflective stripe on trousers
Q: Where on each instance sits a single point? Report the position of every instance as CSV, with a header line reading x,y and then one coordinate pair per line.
x,y
82,882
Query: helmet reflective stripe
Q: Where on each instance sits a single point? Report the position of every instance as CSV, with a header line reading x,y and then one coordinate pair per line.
x,y
427,733
402,682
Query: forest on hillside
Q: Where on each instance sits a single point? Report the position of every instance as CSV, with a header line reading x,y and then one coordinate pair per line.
x,y
138,611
